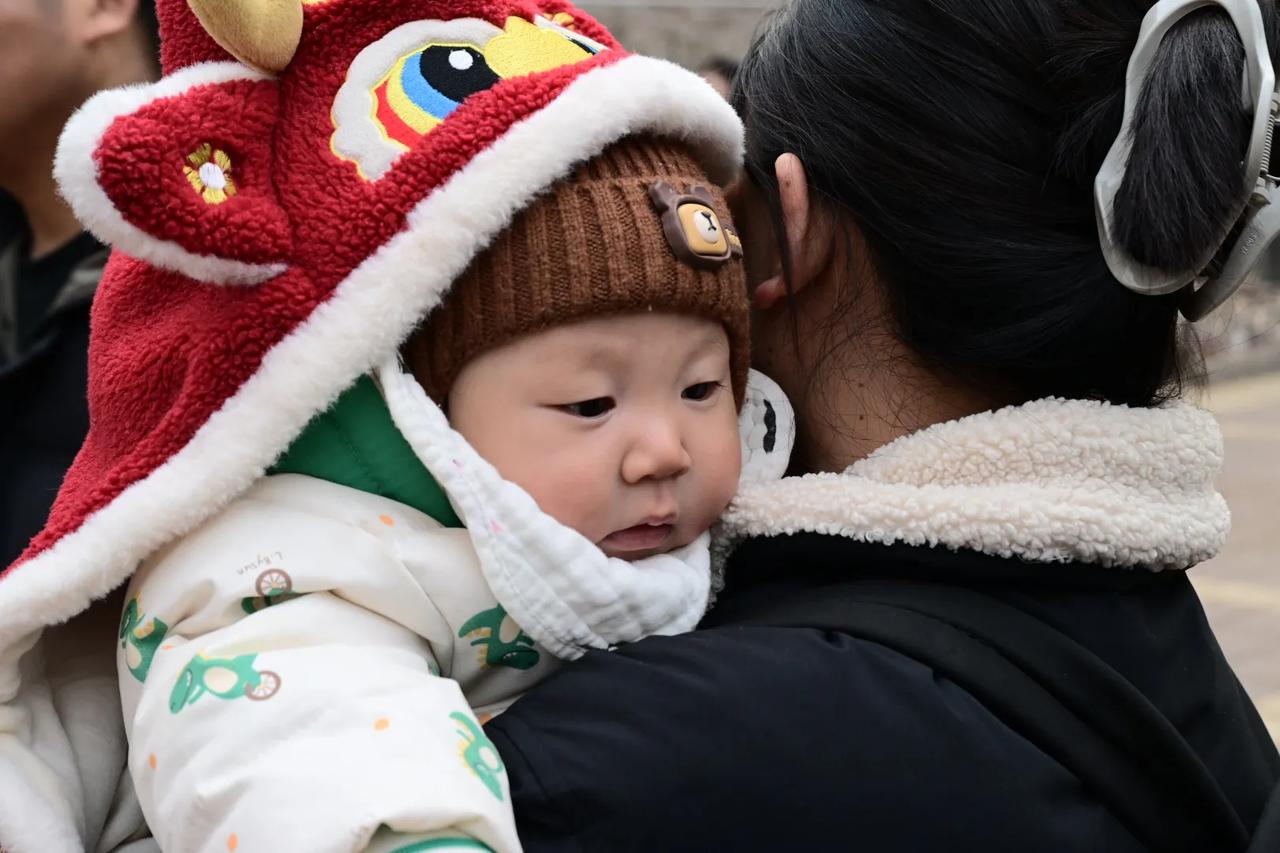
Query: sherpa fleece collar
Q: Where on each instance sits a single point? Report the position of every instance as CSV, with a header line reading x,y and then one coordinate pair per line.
x,y
1048,481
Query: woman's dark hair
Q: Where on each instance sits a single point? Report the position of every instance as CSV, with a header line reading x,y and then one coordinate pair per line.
x,y
963,138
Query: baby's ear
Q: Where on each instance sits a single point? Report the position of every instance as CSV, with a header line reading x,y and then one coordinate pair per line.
x,y
178,173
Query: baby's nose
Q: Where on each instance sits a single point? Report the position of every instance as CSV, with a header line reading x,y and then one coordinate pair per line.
x,y
658,453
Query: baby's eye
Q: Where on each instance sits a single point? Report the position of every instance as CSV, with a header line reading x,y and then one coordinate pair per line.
x,y
701,391
593,408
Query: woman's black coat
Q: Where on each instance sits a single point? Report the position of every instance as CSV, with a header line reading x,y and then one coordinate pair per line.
x,y
754,738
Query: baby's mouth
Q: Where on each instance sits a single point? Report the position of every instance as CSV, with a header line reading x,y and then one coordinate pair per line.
x,y
647,536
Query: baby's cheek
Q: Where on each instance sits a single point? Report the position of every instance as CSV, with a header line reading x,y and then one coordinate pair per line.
x,y
724,467
570,493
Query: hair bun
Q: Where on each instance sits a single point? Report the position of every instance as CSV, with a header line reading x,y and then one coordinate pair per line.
x,y
1184,188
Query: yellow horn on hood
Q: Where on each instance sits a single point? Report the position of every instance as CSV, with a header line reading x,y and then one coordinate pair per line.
x,y
263,34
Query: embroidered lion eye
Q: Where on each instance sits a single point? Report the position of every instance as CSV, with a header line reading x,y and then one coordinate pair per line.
x,y
436,82
585,43
454,73
590,45
403,86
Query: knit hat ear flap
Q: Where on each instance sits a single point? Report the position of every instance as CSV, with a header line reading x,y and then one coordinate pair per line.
x,y
639,228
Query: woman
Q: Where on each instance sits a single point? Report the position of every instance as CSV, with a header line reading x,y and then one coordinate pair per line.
x,y
991,416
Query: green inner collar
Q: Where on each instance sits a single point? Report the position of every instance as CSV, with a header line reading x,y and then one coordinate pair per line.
x,y
355,443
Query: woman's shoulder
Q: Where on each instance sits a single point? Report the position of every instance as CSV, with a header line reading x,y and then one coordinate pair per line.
x,y
757,737
752,737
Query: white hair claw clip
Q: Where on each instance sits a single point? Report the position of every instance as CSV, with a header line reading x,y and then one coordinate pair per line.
x,y
1259,219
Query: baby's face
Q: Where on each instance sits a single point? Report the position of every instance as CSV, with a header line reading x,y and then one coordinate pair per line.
x,y
623,428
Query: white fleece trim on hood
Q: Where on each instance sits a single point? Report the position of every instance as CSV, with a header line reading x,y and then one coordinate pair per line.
x,y
1049,481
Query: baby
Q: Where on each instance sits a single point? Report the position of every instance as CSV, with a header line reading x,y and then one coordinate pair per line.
x,y
624,428
310,669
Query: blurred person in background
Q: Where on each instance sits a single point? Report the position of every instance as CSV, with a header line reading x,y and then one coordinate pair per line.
x,y
54,54
10,218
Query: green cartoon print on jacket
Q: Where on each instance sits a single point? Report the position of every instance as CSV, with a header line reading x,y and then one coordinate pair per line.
x,y
226,678
486,631
140,639
479,754
274,586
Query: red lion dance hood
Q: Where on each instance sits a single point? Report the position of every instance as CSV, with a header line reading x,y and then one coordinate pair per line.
x,y
283,220
286,204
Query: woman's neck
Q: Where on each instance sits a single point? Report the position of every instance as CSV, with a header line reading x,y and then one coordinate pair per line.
x,y
48,217
834,346
880,393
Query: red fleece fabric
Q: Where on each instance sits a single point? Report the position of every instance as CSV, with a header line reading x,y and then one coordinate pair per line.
x,y
136,161
168,351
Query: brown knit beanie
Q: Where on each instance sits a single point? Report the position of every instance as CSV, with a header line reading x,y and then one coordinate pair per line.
x,y
639,228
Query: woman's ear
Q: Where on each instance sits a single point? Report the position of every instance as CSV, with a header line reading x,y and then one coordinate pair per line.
x,y
808,247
